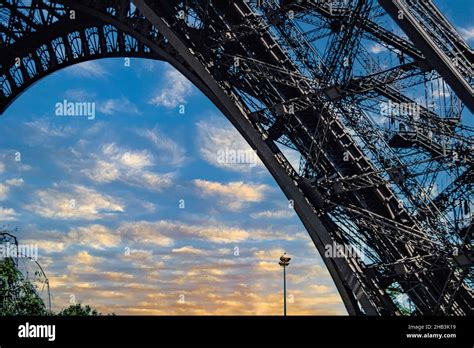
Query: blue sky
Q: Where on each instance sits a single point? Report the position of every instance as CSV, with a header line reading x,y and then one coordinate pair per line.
x,y
101,198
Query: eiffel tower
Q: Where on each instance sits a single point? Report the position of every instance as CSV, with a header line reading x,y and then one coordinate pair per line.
x,y
376,97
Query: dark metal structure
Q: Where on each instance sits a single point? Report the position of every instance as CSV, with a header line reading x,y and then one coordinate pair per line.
x,y
378,118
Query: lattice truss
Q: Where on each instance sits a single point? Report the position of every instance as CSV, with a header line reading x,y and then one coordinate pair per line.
x,y
374,96
41,37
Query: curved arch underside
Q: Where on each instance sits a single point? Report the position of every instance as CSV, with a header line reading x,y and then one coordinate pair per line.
x,y
258,70
62,39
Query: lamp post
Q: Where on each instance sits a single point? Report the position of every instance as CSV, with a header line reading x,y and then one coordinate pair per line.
x,y
284,261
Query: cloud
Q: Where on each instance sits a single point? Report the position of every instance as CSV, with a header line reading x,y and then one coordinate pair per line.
x,y
149,65
6,185
160,232
377,48
216,233
4,190
189,250
75,202
94,236
269,255
83,262
9,159
148,206
268,266
219,283
310,272
176,88
89,69
467,33
47,246
8,214
273,214
83,257
45,129
129,166
103,172
320,289
234,195
117,276
164,232
170,151
144,232
14,182
79,94
118,106
215,137
132,159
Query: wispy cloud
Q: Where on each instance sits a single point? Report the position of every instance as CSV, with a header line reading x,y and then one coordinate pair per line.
x,y
44,128
74,202
94,236
174,91
118,106
152,231
89,69
115,163
377,48
232,195
165,232
215,136
189,250
467,33
83,262
145,233
171,152
6,186
49,246
273,214
4,190
79,94
8,214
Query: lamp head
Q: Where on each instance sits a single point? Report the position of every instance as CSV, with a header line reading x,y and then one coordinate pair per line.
x,y
284,260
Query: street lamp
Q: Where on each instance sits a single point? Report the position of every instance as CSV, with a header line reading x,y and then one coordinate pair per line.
x,y
284,261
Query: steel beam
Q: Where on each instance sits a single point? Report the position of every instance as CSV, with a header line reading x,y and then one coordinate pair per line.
x,y
434,55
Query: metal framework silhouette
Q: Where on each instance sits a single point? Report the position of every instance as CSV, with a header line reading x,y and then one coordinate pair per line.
x,y
380,118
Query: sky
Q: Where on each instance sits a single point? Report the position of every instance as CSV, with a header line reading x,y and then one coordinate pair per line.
x,y
137,211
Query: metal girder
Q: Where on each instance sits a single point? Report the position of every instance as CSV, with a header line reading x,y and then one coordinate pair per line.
x,y
402,13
